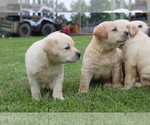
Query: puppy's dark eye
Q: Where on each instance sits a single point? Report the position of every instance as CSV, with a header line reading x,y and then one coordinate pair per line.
x,y
115,29
68,47
140,26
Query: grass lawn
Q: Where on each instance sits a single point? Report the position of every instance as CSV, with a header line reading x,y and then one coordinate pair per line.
x,y
15,95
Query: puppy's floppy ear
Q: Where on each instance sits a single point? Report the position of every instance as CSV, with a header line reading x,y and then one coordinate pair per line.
x,y
100,31
132,29
50,47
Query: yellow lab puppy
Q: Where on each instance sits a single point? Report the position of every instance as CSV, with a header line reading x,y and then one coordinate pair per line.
x,y
44,63
102,61
137,61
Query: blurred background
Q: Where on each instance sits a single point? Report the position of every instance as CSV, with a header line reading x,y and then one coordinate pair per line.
x,y
30,17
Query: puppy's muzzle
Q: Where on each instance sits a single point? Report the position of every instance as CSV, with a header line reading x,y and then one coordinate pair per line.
x,y
126,33
78,54
124,37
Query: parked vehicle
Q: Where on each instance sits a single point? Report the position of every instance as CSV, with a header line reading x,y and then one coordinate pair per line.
x,y
27,26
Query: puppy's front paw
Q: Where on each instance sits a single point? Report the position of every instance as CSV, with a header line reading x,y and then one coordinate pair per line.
x,y
58,97
36,95
36,98
83,90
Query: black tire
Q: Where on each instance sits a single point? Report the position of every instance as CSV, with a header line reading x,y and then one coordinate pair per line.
x,y
25,30
47,29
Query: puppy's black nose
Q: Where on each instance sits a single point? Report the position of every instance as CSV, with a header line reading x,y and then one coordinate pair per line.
x,y
78,54
126,33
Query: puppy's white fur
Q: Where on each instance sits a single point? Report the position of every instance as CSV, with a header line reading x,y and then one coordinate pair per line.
x,y
122,23
142,26
137,44
102,61
44,63
137,62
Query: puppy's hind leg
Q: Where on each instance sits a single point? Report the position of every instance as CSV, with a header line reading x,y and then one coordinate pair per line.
x,y
145,80
35,88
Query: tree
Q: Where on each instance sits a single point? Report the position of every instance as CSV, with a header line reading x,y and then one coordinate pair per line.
x,y
96,18
61,7
104,5
99,5
74,6
117,4
84,18
84,8
96,8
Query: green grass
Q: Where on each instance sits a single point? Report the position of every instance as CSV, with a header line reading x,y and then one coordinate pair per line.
x,y
15,95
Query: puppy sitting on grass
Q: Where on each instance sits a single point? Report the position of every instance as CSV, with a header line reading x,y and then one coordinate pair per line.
x,y
137,61
44,63
102,59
